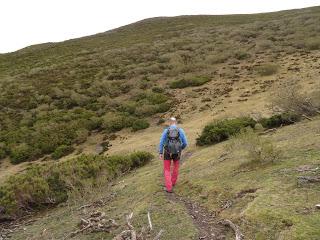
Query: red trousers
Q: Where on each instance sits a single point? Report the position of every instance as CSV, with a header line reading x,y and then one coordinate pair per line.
x,y
170,178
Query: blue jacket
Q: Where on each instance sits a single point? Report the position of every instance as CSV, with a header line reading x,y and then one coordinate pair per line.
x,y
164,136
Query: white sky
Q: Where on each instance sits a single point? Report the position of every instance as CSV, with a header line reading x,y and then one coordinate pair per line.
x,y
27,22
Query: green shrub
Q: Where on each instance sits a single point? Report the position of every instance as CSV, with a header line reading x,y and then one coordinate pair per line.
x,y
148,110
140,124
163,107
240,55
61,151
161,121
81,135
128,107
22,153
279,120
94,123
156,98
44,185
267,69
114,122
256,150
189,82
157,90
3,151
219,131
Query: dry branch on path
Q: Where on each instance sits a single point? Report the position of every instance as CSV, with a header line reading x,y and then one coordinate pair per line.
x,y
235,228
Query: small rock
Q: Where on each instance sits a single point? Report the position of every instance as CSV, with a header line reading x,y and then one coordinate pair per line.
x,y
318,206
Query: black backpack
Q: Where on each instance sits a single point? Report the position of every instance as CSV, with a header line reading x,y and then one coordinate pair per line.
x,y
173,144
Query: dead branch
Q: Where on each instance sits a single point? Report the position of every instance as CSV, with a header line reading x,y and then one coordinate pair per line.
x,y
271,130
158,235
235,228
306,117
84,206
129,217
310,179
96,222
131,234
149,220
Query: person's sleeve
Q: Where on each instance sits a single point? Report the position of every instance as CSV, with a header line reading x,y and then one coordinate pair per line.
x,y
183,138
162,141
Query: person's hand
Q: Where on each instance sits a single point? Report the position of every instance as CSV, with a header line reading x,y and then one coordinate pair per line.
x,y
161,156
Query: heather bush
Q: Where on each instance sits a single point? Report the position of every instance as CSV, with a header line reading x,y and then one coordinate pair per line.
x,y
140,124
113,122
3,150
241,55
22,152
50,184
221,130
278,120
61,151
189,82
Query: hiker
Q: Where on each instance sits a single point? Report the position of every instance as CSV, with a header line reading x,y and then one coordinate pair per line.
x,y
173,141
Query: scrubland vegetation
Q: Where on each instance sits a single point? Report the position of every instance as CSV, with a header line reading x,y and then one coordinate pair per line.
x,y
50,184
54,95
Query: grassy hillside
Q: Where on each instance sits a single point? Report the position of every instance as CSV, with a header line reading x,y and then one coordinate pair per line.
x,y
56,94
110,93
266,201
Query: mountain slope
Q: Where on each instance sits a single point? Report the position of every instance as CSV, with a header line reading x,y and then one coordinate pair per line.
x,y
115,89
277,207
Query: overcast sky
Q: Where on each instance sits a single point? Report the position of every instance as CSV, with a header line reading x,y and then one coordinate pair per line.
x,y
27,22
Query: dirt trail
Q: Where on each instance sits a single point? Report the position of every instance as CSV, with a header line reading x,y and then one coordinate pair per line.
x,y
207,224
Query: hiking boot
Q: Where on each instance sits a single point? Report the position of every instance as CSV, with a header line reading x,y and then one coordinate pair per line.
x,y
169,191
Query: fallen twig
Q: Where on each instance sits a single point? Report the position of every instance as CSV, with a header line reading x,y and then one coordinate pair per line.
x,y
131,234
149,220
96,222
158,235
235,228
306,117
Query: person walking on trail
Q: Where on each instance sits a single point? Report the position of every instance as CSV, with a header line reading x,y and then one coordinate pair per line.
x,y
173,141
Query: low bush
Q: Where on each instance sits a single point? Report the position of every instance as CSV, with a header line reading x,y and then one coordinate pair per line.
x,y
61,151
47,185
189,82
3,151
157,90
114,122
289,98
219,131
216,59
313,44
241,55
278,120
256,150
267,69
140,124
22,152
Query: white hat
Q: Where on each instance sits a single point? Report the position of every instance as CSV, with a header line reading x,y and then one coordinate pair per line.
x,y
173,119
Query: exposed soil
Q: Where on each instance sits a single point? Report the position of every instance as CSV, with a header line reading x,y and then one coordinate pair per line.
x,y
207,224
